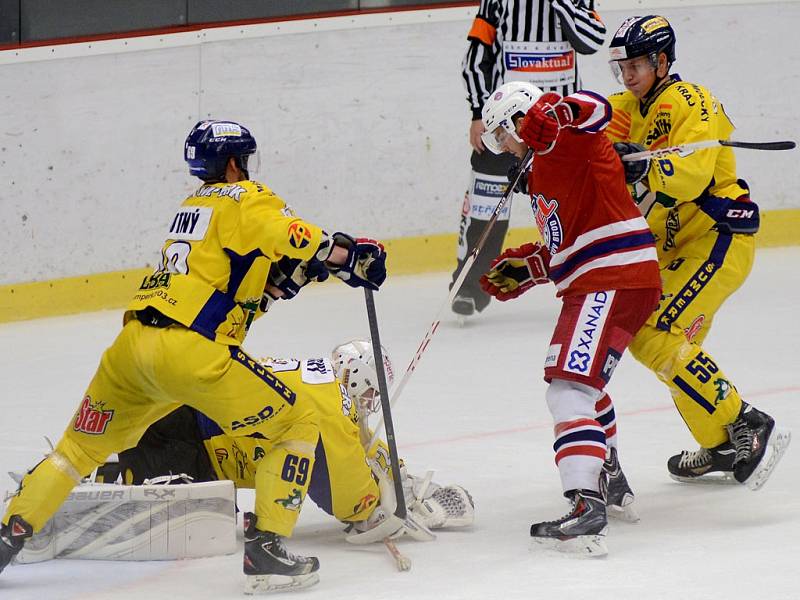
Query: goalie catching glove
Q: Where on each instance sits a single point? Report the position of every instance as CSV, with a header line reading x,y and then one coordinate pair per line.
x,y
365,265
516,271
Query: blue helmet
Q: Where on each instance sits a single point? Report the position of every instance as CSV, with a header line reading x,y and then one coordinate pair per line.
x,y
210,144
643,36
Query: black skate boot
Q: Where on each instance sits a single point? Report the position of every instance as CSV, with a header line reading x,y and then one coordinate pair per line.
x,y
463,306
706,465
759,446
270,567
615,489
581,531
12,538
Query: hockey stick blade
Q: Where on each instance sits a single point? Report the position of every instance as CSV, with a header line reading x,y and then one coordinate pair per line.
x,y
685,149
784,145
470,260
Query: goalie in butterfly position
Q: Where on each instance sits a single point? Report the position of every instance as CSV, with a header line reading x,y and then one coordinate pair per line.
x,y
346,481
600,254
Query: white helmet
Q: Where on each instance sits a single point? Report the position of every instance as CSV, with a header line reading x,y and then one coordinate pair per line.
x,y
507,101
354,365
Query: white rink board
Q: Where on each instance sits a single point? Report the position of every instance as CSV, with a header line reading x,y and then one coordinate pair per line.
x,y
362,128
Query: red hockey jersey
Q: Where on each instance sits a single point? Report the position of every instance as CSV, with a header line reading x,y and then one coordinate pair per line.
x,y
586,216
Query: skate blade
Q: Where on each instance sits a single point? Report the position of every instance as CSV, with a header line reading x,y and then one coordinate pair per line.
x,y
777,444
624,513
268,584
579,545
715,478
461,320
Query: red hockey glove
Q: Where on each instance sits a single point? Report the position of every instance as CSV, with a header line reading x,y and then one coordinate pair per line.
x,y
543,121
539,129
553,103
516,271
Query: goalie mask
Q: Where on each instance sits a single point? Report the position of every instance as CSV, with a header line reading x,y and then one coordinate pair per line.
x,y
354,365
510,100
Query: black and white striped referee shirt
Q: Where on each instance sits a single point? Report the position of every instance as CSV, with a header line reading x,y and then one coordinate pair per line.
x,y
529,40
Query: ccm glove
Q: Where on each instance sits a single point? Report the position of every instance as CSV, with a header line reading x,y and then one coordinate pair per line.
x,y
516,271
635,170
365,265
289,275
543,121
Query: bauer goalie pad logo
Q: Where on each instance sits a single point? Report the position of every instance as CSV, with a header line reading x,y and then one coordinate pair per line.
x,y
91,417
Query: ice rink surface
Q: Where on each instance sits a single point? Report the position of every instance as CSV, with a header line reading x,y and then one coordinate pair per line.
x,y
474,411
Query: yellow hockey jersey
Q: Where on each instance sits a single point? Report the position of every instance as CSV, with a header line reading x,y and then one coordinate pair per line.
x,y
679,113
217,255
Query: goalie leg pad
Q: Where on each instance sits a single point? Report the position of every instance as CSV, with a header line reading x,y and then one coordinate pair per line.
x,y
148,522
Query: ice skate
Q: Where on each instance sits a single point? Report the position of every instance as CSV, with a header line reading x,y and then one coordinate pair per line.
x,y
759,446
269,567
581,531
706,465
12,538
463,307
618,494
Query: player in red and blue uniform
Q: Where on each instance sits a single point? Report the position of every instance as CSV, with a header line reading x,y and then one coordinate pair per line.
x,y
600,254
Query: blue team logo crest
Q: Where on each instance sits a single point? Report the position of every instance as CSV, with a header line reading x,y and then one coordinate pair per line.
x,y
547,221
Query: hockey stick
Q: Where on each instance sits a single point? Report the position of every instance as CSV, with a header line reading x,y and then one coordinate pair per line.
x,y
403,563
470,260
685,149
386,408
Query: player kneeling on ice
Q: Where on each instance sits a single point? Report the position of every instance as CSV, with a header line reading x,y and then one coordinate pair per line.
x,y
599,253
104,521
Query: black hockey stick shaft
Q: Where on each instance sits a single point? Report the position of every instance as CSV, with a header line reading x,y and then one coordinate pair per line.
x,y
386,407
684,149
470,260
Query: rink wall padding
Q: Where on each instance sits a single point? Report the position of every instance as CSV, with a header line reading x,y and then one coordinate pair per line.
x,y
362,122
406,256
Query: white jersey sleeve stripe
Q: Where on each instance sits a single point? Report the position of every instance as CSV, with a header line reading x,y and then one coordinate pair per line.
x,y
612,260
613,229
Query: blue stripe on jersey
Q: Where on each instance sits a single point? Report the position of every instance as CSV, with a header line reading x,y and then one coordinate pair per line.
x,y
693,394
206,427
319,489
606,116
601,248
240,265
212,315
696,283
267,376
584,435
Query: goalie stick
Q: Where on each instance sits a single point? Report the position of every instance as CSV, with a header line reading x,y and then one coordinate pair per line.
x,y
685,149
470,260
